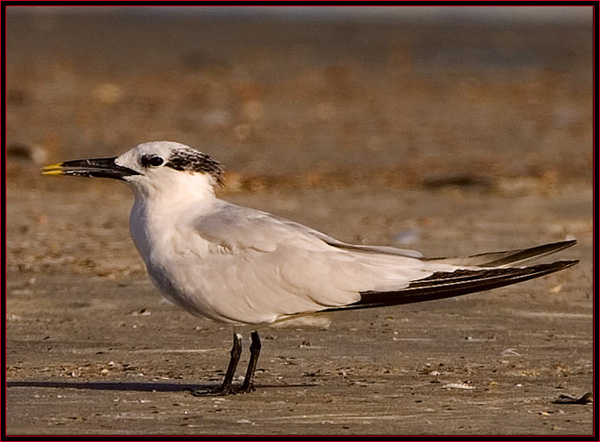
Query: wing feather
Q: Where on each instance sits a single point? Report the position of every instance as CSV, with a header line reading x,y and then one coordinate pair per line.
x,y
287,268
280,268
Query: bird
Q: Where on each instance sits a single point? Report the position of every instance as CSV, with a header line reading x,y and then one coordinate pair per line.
x,y
238,265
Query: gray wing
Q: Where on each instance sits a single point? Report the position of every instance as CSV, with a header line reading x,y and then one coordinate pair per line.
x,y
237,228
282,268
242,227
266,268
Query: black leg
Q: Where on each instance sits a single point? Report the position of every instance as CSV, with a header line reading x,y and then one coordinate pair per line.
x,y
236,352
248,384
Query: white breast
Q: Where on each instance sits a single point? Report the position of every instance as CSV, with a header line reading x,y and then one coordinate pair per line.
x,y
175,259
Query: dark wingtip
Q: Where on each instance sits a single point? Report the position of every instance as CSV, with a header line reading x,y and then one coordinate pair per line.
x,y
442,285
566,264
567,243
532,253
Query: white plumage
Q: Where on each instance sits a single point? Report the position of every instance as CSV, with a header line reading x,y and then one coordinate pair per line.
x,y
235,264
239,265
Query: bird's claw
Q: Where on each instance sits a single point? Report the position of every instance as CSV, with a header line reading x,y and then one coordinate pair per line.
x,y
246,388
224,390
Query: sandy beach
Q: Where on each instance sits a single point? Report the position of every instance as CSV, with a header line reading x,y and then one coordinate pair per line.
x,y
450,139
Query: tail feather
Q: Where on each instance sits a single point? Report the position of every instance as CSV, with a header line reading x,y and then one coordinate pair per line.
x,y
508,258
442,285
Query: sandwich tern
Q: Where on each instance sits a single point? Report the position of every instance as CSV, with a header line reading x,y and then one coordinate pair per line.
x,y
239,265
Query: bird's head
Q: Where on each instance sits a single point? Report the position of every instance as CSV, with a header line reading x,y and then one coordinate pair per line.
x,y
158,166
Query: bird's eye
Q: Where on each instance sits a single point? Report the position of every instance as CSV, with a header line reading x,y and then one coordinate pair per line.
x,y
152,161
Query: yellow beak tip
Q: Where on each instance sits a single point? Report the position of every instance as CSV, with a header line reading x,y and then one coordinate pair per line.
x,y
53,169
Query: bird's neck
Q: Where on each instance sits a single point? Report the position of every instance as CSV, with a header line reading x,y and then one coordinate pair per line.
x,y
175,193
160,206
154,217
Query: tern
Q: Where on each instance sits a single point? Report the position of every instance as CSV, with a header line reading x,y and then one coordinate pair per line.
x,y
238,265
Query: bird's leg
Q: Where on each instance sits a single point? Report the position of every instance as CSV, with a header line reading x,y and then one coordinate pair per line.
x,y
236,352
248,384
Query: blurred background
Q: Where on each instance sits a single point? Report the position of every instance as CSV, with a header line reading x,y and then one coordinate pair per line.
x,y
451,131
397,96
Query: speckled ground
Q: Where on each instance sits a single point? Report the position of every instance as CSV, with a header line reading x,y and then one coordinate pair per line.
x,y
447,139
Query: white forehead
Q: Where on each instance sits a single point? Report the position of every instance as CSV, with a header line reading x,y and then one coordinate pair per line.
x,y
160,148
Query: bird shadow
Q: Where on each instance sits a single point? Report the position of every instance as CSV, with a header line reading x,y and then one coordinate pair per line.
x,y
196,390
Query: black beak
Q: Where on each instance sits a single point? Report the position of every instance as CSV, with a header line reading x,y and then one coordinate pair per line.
x,y
95,167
